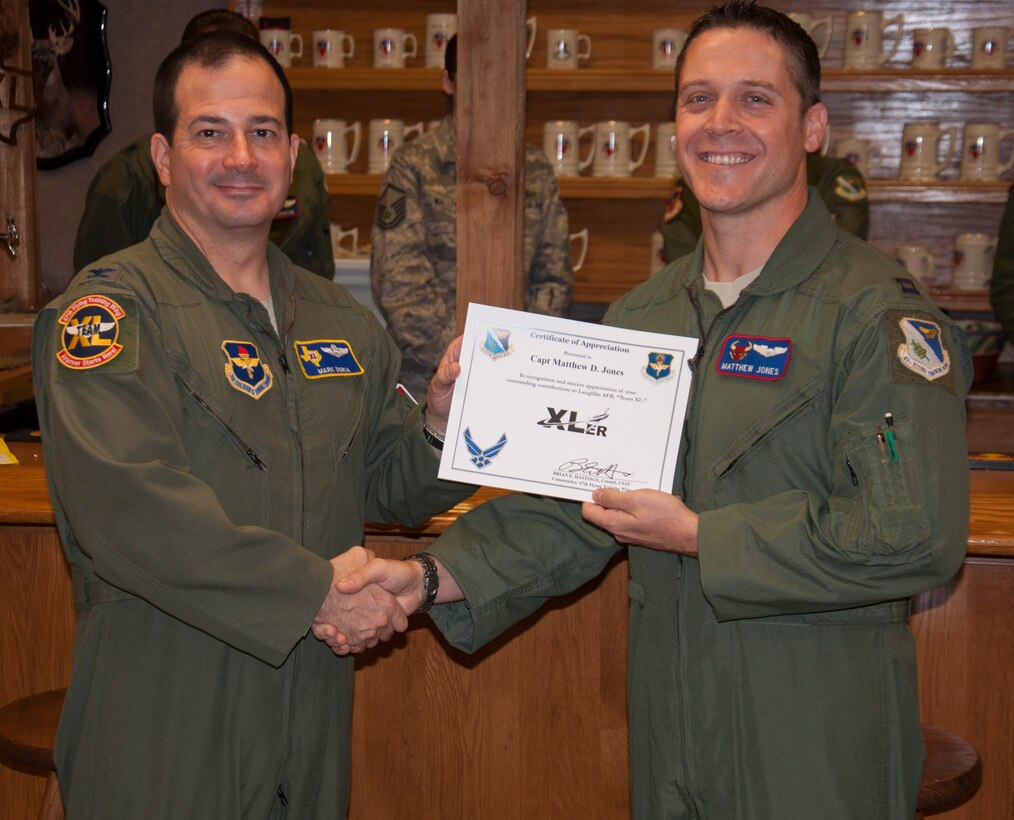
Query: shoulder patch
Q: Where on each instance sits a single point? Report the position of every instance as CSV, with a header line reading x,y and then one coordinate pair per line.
x,y
94,331
323,358
245,370
906,286
674,207
917,348
291,209
849,188
390,207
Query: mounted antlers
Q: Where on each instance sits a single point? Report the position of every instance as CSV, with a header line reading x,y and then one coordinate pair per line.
x,y
62,43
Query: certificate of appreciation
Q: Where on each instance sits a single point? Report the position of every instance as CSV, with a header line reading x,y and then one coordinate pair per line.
x,y
559,407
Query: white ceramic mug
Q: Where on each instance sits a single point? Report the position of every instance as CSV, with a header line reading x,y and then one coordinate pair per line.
x,y
392,46
920,149
386,137
532,25
332,47
565,48
657,250
666,45
973,260
811,23
613,148
989,46
582,237
330,144
666,164
277,37
932,47
980,153
862,153
440,28
561,143
864,38
917,260
338,246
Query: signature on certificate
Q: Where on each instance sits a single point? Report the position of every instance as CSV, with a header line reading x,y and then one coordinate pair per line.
x,y
586,466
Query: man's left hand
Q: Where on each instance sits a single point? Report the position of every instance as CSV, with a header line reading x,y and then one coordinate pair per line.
x,y
646,518
441,388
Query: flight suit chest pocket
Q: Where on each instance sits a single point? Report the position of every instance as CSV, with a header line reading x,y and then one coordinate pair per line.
x,y
795,423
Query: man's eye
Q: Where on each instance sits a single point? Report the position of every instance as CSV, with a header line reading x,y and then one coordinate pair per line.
x,y
263,133
207,133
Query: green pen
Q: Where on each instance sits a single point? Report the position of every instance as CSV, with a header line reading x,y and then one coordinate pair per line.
x,y
890,436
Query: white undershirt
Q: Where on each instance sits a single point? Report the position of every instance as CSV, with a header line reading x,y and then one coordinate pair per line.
x,y
269,306
728,292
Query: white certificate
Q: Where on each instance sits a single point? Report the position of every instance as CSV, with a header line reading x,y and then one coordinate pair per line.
x,y
559,407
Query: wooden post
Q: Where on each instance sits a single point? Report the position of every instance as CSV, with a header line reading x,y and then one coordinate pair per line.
x,y
489,116
19,276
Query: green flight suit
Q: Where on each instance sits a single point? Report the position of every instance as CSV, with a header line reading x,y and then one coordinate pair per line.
x,y
125,198
837,180
774,677
203,468
1001,285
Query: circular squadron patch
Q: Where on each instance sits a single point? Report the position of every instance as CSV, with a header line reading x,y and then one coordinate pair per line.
x,y
91,332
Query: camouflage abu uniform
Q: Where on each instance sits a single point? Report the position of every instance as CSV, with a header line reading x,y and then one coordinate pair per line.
x,y
413,267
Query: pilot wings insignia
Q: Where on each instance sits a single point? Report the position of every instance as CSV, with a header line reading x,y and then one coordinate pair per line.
x,y
480,457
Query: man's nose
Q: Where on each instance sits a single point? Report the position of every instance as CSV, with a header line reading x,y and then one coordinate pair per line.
x,y
240,156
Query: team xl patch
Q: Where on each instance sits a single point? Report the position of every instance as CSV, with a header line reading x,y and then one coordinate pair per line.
x,y
922,350
91,332
323,358
754,357
390,207
245,370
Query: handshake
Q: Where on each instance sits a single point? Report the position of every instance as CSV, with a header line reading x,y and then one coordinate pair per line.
x,y
368,601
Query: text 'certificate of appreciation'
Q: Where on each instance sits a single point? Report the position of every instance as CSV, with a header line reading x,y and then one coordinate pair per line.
x,y
559,407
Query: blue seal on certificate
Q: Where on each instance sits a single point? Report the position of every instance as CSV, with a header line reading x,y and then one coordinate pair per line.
x,y
480,457
498,342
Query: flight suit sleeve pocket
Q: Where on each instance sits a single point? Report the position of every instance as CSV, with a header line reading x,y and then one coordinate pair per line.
x,y
879,515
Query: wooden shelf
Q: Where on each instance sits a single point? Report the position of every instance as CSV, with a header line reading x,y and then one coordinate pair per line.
x,y
608,81
619,188
976,301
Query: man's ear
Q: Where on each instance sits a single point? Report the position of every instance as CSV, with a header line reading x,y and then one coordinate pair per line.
x,y
815,125
160,156
447,83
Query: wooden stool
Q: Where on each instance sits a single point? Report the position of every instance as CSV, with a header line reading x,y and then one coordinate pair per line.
x,y
27,734
951,774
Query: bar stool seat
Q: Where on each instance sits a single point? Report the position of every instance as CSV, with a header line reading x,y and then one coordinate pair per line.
x,y
27,735
951,774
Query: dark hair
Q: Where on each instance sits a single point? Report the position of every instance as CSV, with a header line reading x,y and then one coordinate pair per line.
x,y
218,20
451,58
211,50
801,58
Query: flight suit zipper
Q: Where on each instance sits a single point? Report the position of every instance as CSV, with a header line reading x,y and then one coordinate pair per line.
x,y
240,442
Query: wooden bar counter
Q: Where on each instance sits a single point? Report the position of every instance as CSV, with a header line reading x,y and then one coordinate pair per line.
x,y
533,726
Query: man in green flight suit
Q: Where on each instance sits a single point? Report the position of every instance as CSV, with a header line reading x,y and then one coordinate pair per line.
x,y
218,423
771,670
126,196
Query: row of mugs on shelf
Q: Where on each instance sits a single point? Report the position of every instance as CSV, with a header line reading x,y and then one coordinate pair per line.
x,y
932,47
972,260
921,145
345,245
332,47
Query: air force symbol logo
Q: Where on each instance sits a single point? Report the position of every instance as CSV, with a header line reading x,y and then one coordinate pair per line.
x,y
322,358
245,370
659,367
498,343
91,331
923,351
481,457
754,357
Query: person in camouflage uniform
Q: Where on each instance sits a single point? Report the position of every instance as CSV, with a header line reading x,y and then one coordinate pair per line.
x,y
839,183
413,264
125,197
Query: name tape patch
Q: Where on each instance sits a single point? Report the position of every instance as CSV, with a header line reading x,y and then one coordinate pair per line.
x,y
325,358
754,357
